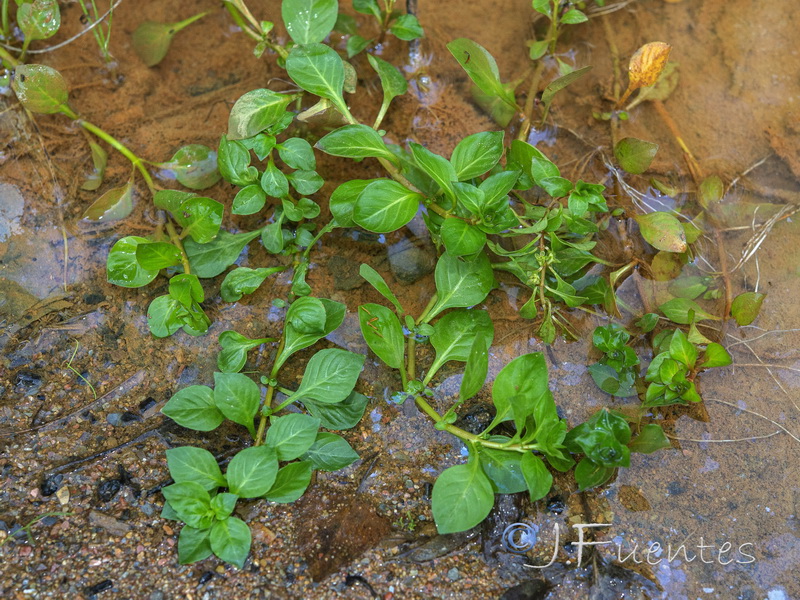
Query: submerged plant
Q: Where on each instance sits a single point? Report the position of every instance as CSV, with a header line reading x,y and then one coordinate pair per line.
x,y
287,446
496,211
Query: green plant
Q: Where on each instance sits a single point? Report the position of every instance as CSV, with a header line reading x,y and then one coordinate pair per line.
x,y
287,446
496,211
403,26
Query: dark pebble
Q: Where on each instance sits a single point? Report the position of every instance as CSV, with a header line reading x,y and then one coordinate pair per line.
x,y
104,585
27,383
94,298
50,484
205,577
49,521
535,589
129,417
556,505
146,404
675,488
108,488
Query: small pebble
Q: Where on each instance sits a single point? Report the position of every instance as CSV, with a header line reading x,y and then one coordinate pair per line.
x,y
50,484
453,574
104,585
63,495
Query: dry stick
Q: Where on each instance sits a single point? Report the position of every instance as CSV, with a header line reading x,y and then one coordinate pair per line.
x,y
746,439
778,425
769,370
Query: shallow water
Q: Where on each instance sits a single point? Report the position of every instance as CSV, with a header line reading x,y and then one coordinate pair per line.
x,y
732,477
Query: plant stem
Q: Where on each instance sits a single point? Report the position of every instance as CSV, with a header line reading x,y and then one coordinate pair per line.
x,y
176,241
533,89
262,424
466,435
116,144
4,9
176,27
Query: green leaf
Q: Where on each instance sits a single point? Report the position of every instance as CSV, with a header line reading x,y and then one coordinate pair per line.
x,y
165,316
711,191
343,200
407,28
392,80
684,311
40,89
379,283
635,155
589,474
297,340
476,154
291,436
234,350
230,540
193,407
256,111
482,69
462,497
274,182
99,161
157,255
191,503
200,218
212,258
318,69
309,21
151,41
113,205
383,333
745,307
461,282
650,439
454,334
523,379
663,231
298,154
477,367
195,166
503,469
291,482
682,350
122,267
356,44
223,504
330,376
305,182
234,163
715,356
196,465
437,167
330,452
559,84
368,7
538,479
193,545
249,200
38,20
244,280
344,415
237,397
648,322
574,16
355,141
460,238
307,315
252,471
385,205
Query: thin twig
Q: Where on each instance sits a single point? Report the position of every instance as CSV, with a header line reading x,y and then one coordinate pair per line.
x,y
791,435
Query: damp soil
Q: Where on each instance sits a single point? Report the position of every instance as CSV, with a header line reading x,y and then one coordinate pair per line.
x,y
86,462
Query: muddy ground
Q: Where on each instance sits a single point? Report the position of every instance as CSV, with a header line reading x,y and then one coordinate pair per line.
x,y
731,477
